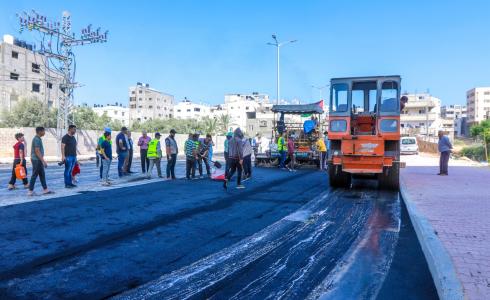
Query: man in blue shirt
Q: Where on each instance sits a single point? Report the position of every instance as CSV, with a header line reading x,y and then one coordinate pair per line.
x,y
444,146
122,150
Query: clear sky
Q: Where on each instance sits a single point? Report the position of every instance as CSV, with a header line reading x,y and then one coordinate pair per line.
x,y
204,49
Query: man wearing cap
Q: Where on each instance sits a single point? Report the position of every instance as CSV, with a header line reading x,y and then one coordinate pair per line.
x,y
155,155
172,150
143,142
122,150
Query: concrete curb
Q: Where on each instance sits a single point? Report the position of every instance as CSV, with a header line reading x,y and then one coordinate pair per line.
x,y
440,264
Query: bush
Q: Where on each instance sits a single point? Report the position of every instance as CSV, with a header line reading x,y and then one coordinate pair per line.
x,y
475,152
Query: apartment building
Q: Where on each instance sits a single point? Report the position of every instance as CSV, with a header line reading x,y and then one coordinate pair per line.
x,y
478,103
146,103
116,112
421,114
239,107
457,114
186,109
26,74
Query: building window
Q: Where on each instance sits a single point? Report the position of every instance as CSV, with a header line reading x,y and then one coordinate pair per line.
x,y
14,76
178,110
150,106
140,91
133,92
486,93
15,54
122,113
115,112
197,109
139,99
132,99
49,85
35,68
149,99
36,87
246,108
188,110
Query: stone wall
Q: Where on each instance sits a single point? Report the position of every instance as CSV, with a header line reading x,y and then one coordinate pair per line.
x,y
87,141
427,146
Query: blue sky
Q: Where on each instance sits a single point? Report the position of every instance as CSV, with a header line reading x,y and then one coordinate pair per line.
x,y
204,49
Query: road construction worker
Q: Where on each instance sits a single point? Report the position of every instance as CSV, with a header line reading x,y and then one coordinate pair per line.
x,y
281,147
154,155
322,151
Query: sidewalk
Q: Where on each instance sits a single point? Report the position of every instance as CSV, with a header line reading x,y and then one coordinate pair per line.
x,y
451,215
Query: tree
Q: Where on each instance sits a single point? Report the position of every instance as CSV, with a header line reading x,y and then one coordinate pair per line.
x,y
29,113
210,125
224,122
482,131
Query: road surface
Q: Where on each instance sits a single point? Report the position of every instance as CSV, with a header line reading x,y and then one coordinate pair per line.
x,y
287,235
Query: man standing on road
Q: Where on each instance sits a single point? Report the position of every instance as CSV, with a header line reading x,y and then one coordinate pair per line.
x,y
122,151
172,151
229,136
155,155
291,157
143,142
106,158
38,162
99,144
235,154
69,154
281,147
444,146
19,158
203,155
129,159
322,151
247,159
190,157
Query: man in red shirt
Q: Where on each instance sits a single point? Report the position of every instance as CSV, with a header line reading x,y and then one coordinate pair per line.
x,y
19,158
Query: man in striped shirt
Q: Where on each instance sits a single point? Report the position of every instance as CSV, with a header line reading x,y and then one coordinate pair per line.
x,y
190,157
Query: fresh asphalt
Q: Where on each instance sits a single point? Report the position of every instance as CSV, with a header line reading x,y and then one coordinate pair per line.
x,y
286,235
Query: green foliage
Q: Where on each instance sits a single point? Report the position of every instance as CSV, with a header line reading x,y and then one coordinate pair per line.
x,y
206,125
224,123
474,152
29,113
481,130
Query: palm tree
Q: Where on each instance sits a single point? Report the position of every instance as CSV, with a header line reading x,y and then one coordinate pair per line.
x,y
210,125
224,122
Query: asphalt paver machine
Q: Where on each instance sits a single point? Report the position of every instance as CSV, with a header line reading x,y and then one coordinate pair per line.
x,y
364,130
290,119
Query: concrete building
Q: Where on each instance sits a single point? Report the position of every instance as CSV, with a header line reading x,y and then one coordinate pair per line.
x,y
146,103
238,107
458,115
186,109
421,114
116,112
25,74
478,103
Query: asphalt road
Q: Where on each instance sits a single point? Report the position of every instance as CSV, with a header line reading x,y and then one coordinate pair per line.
x,y
287,235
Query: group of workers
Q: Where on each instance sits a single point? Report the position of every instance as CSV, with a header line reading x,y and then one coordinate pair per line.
x,y
286,149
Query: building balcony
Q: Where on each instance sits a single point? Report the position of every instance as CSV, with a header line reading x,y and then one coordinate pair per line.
x,y
420,104
418,117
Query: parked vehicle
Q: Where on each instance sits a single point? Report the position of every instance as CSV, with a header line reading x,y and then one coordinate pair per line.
x,y
364,130
408,145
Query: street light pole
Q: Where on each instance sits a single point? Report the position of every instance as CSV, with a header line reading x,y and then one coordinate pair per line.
x,y
320,88
278,45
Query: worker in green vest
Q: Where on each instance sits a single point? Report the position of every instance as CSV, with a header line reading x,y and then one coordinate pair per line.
x,y
98,149
281,147
154,154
